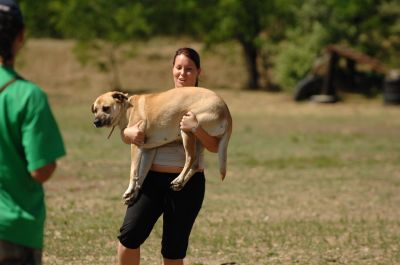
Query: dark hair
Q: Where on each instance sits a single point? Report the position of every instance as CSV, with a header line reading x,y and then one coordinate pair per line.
x,y
11,24
192,55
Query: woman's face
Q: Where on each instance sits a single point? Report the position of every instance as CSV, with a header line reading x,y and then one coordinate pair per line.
x,y
185,71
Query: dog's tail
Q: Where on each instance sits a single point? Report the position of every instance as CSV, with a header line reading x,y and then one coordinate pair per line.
x,y
223,147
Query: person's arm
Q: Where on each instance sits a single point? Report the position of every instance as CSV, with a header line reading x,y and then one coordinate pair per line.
x,y
44,173
189,123
133,135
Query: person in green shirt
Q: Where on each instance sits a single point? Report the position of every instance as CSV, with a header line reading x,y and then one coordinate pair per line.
x,y
30,144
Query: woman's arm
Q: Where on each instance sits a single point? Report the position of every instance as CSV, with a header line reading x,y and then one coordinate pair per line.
x,y
189,123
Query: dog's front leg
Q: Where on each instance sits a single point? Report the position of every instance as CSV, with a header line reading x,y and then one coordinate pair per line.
x,y
146,160
189,143
140,166
130,192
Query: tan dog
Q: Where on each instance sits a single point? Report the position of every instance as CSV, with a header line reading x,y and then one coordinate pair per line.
x,y
161,114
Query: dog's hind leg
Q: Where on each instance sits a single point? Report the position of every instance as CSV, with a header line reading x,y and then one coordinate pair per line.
x,y
189,143
193,169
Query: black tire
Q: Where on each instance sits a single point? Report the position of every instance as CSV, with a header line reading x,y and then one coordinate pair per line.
x,y
308,87
391,91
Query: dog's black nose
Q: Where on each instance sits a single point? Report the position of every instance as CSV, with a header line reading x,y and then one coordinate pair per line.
x,y
97,123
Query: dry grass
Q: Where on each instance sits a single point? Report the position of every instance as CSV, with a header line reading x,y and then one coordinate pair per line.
x,y
307,183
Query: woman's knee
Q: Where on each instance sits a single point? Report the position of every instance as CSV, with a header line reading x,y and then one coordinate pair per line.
x,y
127,255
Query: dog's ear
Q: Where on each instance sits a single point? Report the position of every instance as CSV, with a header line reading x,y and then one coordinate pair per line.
x,y
119,96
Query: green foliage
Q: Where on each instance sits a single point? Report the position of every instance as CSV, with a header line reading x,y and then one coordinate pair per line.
x,y
292,64
251,23
295,56
368,26
176,17
40,18
101,27
113,21
240,20
283,35
389,12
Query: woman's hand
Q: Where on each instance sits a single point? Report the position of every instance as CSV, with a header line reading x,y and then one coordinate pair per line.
x,y
189,122
134,135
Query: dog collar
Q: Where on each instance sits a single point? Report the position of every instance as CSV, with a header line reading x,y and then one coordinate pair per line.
x,y
111,132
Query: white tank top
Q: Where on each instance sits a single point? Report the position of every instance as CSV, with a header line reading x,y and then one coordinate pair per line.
x,y
173,154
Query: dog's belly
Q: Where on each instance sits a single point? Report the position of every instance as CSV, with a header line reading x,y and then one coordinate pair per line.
x,y
158,137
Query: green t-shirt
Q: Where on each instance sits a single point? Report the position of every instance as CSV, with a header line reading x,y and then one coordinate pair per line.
x,y
29,140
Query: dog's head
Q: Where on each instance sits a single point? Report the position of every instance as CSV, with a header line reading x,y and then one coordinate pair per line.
x,y
107,108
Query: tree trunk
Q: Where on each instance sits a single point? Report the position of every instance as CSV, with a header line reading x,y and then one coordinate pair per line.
x,y
115,79
251,54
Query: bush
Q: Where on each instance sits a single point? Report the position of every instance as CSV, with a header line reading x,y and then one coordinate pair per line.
x,y
295,57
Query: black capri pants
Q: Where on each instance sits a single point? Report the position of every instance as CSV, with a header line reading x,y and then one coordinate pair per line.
x,y
179,209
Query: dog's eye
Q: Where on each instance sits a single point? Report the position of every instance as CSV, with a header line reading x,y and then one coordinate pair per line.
x,y
106,109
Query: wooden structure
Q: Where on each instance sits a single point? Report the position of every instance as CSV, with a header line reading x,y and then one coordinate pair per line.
x,y
328,73
352,57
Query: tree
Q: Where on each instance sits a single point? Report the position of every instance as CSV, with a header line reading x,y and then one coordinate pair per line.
x,y
243,21
285,35
370,26
101,28
251,23
389,12
40,18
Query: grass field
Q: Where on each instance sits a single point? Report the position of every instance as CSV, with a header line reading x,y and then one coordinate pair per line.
x,y
306,183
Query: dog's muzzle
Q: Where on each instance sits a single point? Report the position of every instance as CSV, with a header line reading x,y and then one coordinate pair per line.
x,y
99,123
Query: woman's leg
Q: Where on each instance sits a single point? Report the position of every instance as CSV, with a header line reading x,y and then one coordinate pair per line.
x,y
139,220
128,256
173,261
180,213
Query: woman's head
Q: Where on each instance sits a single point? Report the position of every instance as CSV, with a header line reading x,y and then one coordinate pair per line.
x,y
11,28
186,67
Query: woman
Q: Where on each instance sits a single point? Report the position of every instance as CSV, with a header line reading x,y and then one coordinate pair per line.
x,y
179,208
